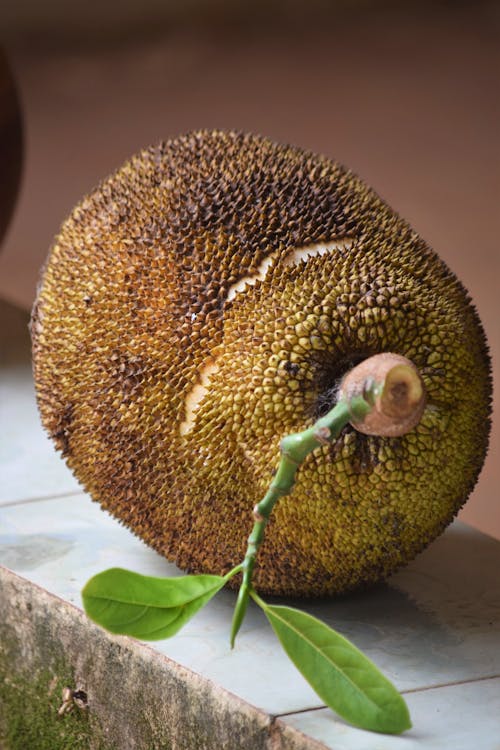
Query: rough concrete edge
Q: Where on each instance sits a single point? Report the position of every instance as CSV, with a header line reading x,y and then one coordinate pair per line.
x,y
139,699
286,737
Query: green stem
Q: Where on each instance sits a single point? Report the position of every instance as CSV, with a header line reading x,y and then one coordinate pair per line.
x,y
294,449
237,569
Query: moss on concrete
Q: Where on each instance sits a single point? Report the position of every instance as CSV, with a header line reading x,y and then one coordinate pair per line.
x,y
137,698
29,716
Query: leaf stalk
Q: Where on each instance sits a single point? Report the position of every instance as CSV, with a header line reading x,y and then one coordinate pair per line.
x,y
294,449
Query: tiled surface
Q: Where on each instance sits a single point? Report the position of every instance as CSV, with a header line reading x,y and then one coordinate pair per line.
x,y
436,622
29,465
458,717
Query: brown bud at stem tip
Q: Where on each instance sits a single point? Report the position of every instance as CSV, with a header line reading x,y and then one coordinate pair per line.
x,y
398,394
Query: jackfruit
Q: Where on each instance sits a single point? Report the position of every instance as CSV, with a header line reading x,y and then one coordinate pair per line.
x,y
205,301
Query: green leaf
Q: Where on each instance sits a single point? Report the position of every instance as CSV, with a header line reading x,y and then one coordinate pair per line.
x,y
343,677
145,607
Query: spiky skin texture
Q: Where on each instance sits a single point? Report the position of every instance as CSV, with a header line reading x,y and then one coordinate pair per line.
x,y
134,305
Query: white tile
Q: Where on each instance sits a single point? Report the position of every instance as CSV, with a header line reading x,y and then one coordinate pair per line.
x,y
417,635
29,464
58,544
457,717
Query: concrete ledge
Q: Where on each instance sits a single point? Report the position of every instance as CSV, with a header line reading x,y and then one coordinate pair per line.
x,y
137,699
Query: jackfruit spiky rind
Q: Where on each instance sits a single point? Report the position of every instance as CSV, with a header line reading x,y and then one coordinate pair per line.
x,y
142,300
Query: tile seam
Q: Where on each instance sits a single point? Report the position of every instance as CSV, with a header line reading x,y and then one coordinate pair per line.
x,y
409,691
439,685
41,498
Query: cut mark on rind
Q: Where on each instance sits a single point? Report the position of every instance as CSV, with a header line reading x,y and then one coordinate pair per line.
x,y
294,258
196,396
299,254
259,275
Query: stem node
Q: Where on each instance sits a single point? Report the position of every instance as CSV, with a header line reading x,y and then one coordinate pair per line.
x,y
257,514
323,435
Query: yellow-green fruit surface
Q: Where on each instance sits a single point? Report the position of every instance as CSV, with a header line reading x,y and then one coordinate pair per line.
x,y
167,381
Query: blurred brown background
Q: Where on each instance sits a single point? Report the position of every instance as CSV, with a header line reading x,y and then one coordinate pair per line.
x,y
406,94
